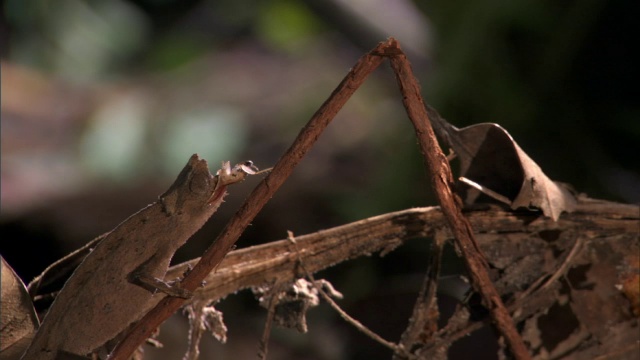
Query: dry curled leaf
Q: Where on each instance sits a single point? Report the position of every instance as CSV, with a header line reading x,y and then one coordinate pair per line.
x,y
203,317
18,319
496,166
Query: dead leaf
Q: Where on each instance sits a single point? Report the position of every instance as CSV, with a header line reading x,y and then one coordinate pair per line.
x,y
18,319
499,168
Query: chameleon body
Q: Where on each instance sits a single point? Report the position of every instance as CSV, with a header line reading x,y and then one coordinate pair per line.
x,y
100,299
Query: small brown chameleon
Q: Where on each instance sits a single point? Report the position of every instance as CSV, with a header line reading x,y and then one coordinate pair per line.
x,y
121,278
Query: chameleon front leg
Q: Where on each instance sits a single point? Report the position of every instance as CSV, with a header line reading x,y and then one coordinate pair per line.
x,y
142,278
153,285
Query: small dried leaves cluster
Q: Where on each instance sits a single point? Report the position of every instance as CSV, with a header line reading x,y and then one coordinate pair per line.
x,y
292,301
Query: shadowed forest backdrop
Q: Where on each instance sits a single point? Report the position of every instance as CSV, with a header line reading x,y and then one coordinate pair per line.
x,y
103,102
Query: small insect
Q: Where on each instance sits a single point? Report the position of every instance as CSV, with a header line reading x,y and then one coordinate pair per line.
x,y
227,175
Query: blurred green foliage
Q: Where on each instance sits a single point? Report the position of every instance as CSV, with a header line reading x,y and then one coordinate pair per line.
x,y
553,74
78,40
287,25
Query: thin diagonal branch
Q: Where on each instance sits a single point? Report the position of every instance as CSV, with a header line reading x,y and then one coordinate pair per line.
x,y
442,181
256,200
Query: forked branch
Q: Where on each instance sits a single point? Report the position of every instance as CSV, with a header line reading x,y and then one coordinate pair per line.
x,y
441,179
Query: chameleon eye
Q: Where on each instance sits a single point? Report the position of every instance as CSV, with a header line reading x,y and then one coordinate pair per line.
x,y
199,184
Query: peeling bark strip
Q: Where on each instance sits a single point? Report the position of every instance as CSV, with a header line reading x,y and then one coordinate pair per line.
x,y
534,254
276,261
98,301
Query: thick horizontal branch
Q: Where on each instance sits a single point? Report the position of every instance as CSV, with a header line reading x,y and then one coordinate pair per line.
x,y
277,260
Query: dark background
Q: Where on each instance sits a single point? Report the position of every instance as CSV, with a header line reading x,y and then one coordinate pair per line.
x,y
103,102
